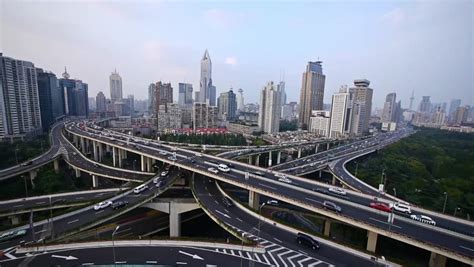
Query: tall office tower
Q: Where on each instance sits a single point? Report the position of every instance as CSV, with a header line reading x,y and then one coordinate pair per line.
x,y
185,94
389,108
19,101
163,94
270,108
281,86
75,94
425,104
362,107
412,98
312,92
92,103
151,98
204,116
131,104
460,115
206,80
212,96
227,106
50,97
341,113
115,86
100,102
454,105
240,100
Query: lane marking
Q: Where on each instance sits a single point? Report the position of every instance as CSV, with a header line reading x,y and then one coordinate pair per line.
x,y
223,214
39,232
152,262
267,186
17,206
466,248
181,262
120,262
278,240
238,219
87,264
42,202
99,212
76,220
314,200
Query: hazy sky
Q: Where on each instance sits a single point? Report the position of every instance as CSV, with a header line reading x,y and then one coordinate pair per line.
x,y
400,46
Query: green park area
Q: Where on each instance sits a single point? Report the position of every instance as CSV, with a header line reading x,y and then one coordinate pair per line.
x,y
432,168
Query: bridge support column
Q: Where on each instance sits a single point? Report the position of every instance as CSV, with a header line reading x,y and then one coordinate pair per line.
x,y
124,154
149,165
278,157
101,152
299,152
257,160
320,172
175,223
75,140
333,179
316,149
83,145
143,163
107,148
371,241
14,220
78,173
33,174
114,156
56,165
327,228
94,151
95,181
254,200
437,260
269,159
119,157
327,146
250,160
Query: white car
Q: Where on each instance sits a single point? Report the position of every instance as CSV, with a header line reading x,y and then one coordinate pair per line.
x,y
164,173
213,170
284,179
163,153
337,190
401,207
103,205
140,188
223,167
280,175
423,219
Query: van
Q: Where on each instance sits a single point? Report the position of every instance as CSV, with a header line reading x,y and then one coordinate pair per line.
x,y
140,188
223,168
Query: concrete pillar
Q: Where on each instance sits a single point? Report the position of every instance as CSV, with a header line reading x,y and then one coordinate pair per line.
x,y
175,223
124,154
333,179
250,160
119,157
257,160
15,220
327,227
320,171
278,157
107,148
148,165
327,146
95,151
75,140
114,156
56,165
437,260
95,181
269,159
316,149
143,163
299,152
83,145
254,200
101,152
78,173
371,241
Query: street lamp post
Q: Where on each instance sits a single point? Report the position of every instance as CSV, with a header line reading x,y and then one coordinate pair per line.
x,y
456,210
113,244
51,215
445,200
357,166
16,154
394,192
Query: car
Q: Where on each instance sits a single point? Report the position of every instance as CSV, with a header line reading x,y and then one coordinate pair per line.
x,y
402,207
380,206
12,235
96,165
223,168
272,202
337,190
227,201
155,180
163,153
198,155
173,158
307,240
280,175
259,173
213,170
164,173
74,153
284,180
119,204
331,206
159,183
423,219
140,188
103,205
27,163
320,190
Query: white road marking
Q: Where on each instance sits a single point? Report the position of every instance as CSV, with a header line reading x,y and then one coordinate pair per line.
x,y
314,200
466,248
265,258
300,262
281,256
124,230
264,185
76,220
302,252
120,262
223,214
152,262
315,263
257,257
248,255
17,206
39,232
79,197
181,263
42,202
99,212
87,264
290,259
8,255
232,252
238,219
393,225
278,240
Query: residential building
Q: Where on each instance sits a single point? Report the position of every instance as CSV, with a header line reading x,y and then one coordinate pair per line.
x,y
204,116
169,117
312,92
453,107
362,106
389,108
185,94
270,109
227,106
206,80
101,102
243,128
50,97
341,113
115,87
425,104
20,113
131,104
281,86
461,115
151,98
75,96
212,96
163,95
319,122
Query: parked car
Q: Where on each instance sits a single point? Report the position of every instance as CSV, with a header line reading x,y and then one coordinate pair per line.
x,y
102,205
223,168
307,240
331,206
337,190
119,204
423,219
140,188
380,206
402,207
213,170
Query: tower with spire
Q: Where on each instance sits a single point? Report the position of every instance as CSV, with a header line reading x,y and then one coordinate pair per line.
x,y
412,98
65,74
205,85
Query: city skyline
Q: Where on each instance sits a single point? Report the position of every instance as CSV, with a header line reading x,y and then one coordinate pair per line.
x,y
393,29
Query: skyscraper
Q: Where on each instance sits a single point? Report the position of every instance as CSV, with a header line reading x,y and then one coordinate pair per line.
x,y
206,80
270,108
341,113
50,97
362,107
240,100
212,96
389,108
115,87
163,95
312,92
100,102
76,99
227,105
131,104
425,104
454,105
151,98
19,101
281,86
185,94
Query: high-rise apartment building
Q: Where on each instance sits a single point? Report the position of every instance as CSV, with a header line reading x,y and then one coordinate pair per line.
x,y
281,86
151,98
100,102
425,104
390,108
312,92
270,108
76,99
205,84
50,97
163,95
341,113
115,87
454,105
169,117
131,104
185,94
204,116
319,122
227,106
362,107
19,101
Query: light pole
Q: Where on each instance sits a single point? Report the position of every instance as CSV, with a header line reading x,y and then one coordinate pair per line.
x,y
51,215
357,166
113,244
445,200
16,154
394,192
456,210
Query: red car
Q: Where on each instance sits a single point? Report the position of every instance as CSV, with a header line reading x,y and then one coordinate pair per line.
x,y
381,206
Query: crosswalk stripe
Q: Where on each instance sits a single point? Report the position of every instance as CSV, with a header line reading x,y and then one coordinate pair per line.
x,y
300,262
265,258
232,252
249,256
257,257
290,259
271,256
225,251
314,264
281,257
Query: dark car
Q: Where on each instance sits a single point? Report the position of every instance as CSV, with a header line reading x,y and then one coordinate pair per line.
x,y
119,204
331,206
307,240
259,173
227,202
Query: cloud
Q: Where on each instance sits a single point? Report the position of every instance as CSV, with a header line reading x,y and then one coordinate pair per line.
x,y
221,19
395,16
231,61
